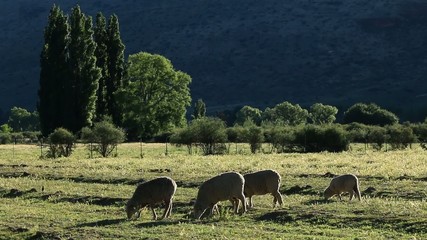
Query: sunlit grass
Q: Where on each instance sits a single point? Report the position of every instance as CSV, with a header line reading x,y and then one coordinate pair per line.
x,y
83,198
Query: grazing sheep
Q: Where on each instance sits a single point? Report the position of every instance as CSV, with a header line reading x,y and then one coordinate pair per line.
x,y
344,183
261,183
226,186
149,193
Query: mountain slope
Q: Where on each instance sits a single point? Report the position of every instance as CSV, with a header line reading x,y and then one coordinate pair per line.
x,y
251,52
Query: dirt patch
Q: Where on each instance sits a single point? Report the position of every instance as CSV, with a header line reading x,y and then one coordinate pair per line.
x,y
188,184
369,191
13,165
14,174
18,229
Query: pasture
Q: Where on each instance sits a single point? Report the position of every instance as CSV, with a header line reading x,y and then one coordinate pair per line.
x,y
82,198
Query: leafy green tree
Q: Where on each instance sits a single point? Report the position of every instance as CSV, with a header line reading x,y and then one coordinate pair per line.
x,y
199,109
116,68
21,120
290,114
101,54
370,114
156,96
377,136
81,104
54,72
61,143
248,113
322,114
105,135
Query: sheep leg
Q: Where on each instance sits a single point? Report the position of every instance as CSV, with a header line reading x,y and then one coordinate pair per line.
x,y
277,199
243,200
339,196
250,203
154,213
351,195
357,191
170,209
167,207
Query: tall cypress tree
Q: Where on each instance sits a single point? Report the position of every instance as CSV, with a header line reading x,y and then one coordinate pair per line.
x,y
116,67
101,39
54,72
84,72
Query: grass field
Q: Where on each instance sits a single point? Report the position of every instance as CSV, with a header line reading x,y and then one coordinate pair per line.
x,y
82,198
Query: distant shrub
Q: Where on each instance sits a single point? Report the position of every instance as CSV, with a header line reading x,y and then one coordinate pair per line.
x,y
369,114
401,136
315,138
376,136
281,138
105,135
254,136
61,143
5,138
420,131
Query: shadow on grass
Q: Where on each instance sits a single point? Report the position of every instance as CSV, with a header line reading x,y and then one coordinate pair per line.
x,y
166,222
102,223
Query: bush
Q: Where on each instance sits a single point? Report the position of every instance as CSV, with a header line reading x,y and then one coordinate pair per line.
x,y
322,138
377,136
184,136
401,136
105,135
420,131
281,138
369,114
61,143
254,136
5,138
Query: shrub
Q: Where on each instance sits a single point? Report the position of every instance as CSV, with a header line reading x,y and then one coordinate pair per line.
x,y
254,136
400,136
61,143
370,114
210,134
281,138
322,138
377,136
105,135
5,138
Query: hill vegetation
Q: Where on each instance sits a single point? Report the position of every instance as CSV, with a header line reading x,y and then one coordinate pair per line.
x,y
247,52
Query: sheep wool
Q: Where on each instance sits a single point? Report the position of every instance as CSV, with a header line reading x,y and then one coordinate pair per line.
x,y
149,193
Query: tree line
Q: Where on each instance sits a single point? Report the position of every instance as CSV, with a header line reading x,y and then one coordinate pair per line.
x,y
85,79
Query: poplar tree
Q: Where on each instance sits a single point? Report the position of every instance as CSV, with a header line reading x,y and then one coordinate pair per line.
x,y
54,72
84,72
101,39
116,68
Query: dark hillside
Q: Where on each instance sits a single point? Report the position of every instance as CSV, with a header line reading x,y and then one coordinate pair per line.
x,y
249,51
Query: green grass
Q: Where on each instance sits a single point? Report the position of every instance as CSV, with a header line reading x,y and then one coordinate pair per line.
x,y
84,198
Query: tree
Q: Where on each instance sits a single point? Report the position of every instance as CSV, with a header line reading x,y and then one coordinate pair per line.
x,y
210,134
370,114
21,120
322,114
156,96
253,135
101,54
105,135
54,72
199,109
290,114
116,68
81,96
248,113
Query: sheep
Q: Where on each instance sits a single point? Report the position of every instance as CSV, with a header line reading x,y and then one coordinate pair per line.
x,y
149,193
261,183
344,183
226,186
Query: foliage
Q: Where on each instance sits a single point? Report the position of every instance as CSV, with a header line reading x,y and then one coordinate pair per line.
x,y
286,113
116,68
207,133
400,136
248,113
281,138
316,138
5,128
322,114
377,136
156,96
199,110
61,143
69,75
105,135
101,54
21,120
54,72
420,131
369,114
253,135
84,75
